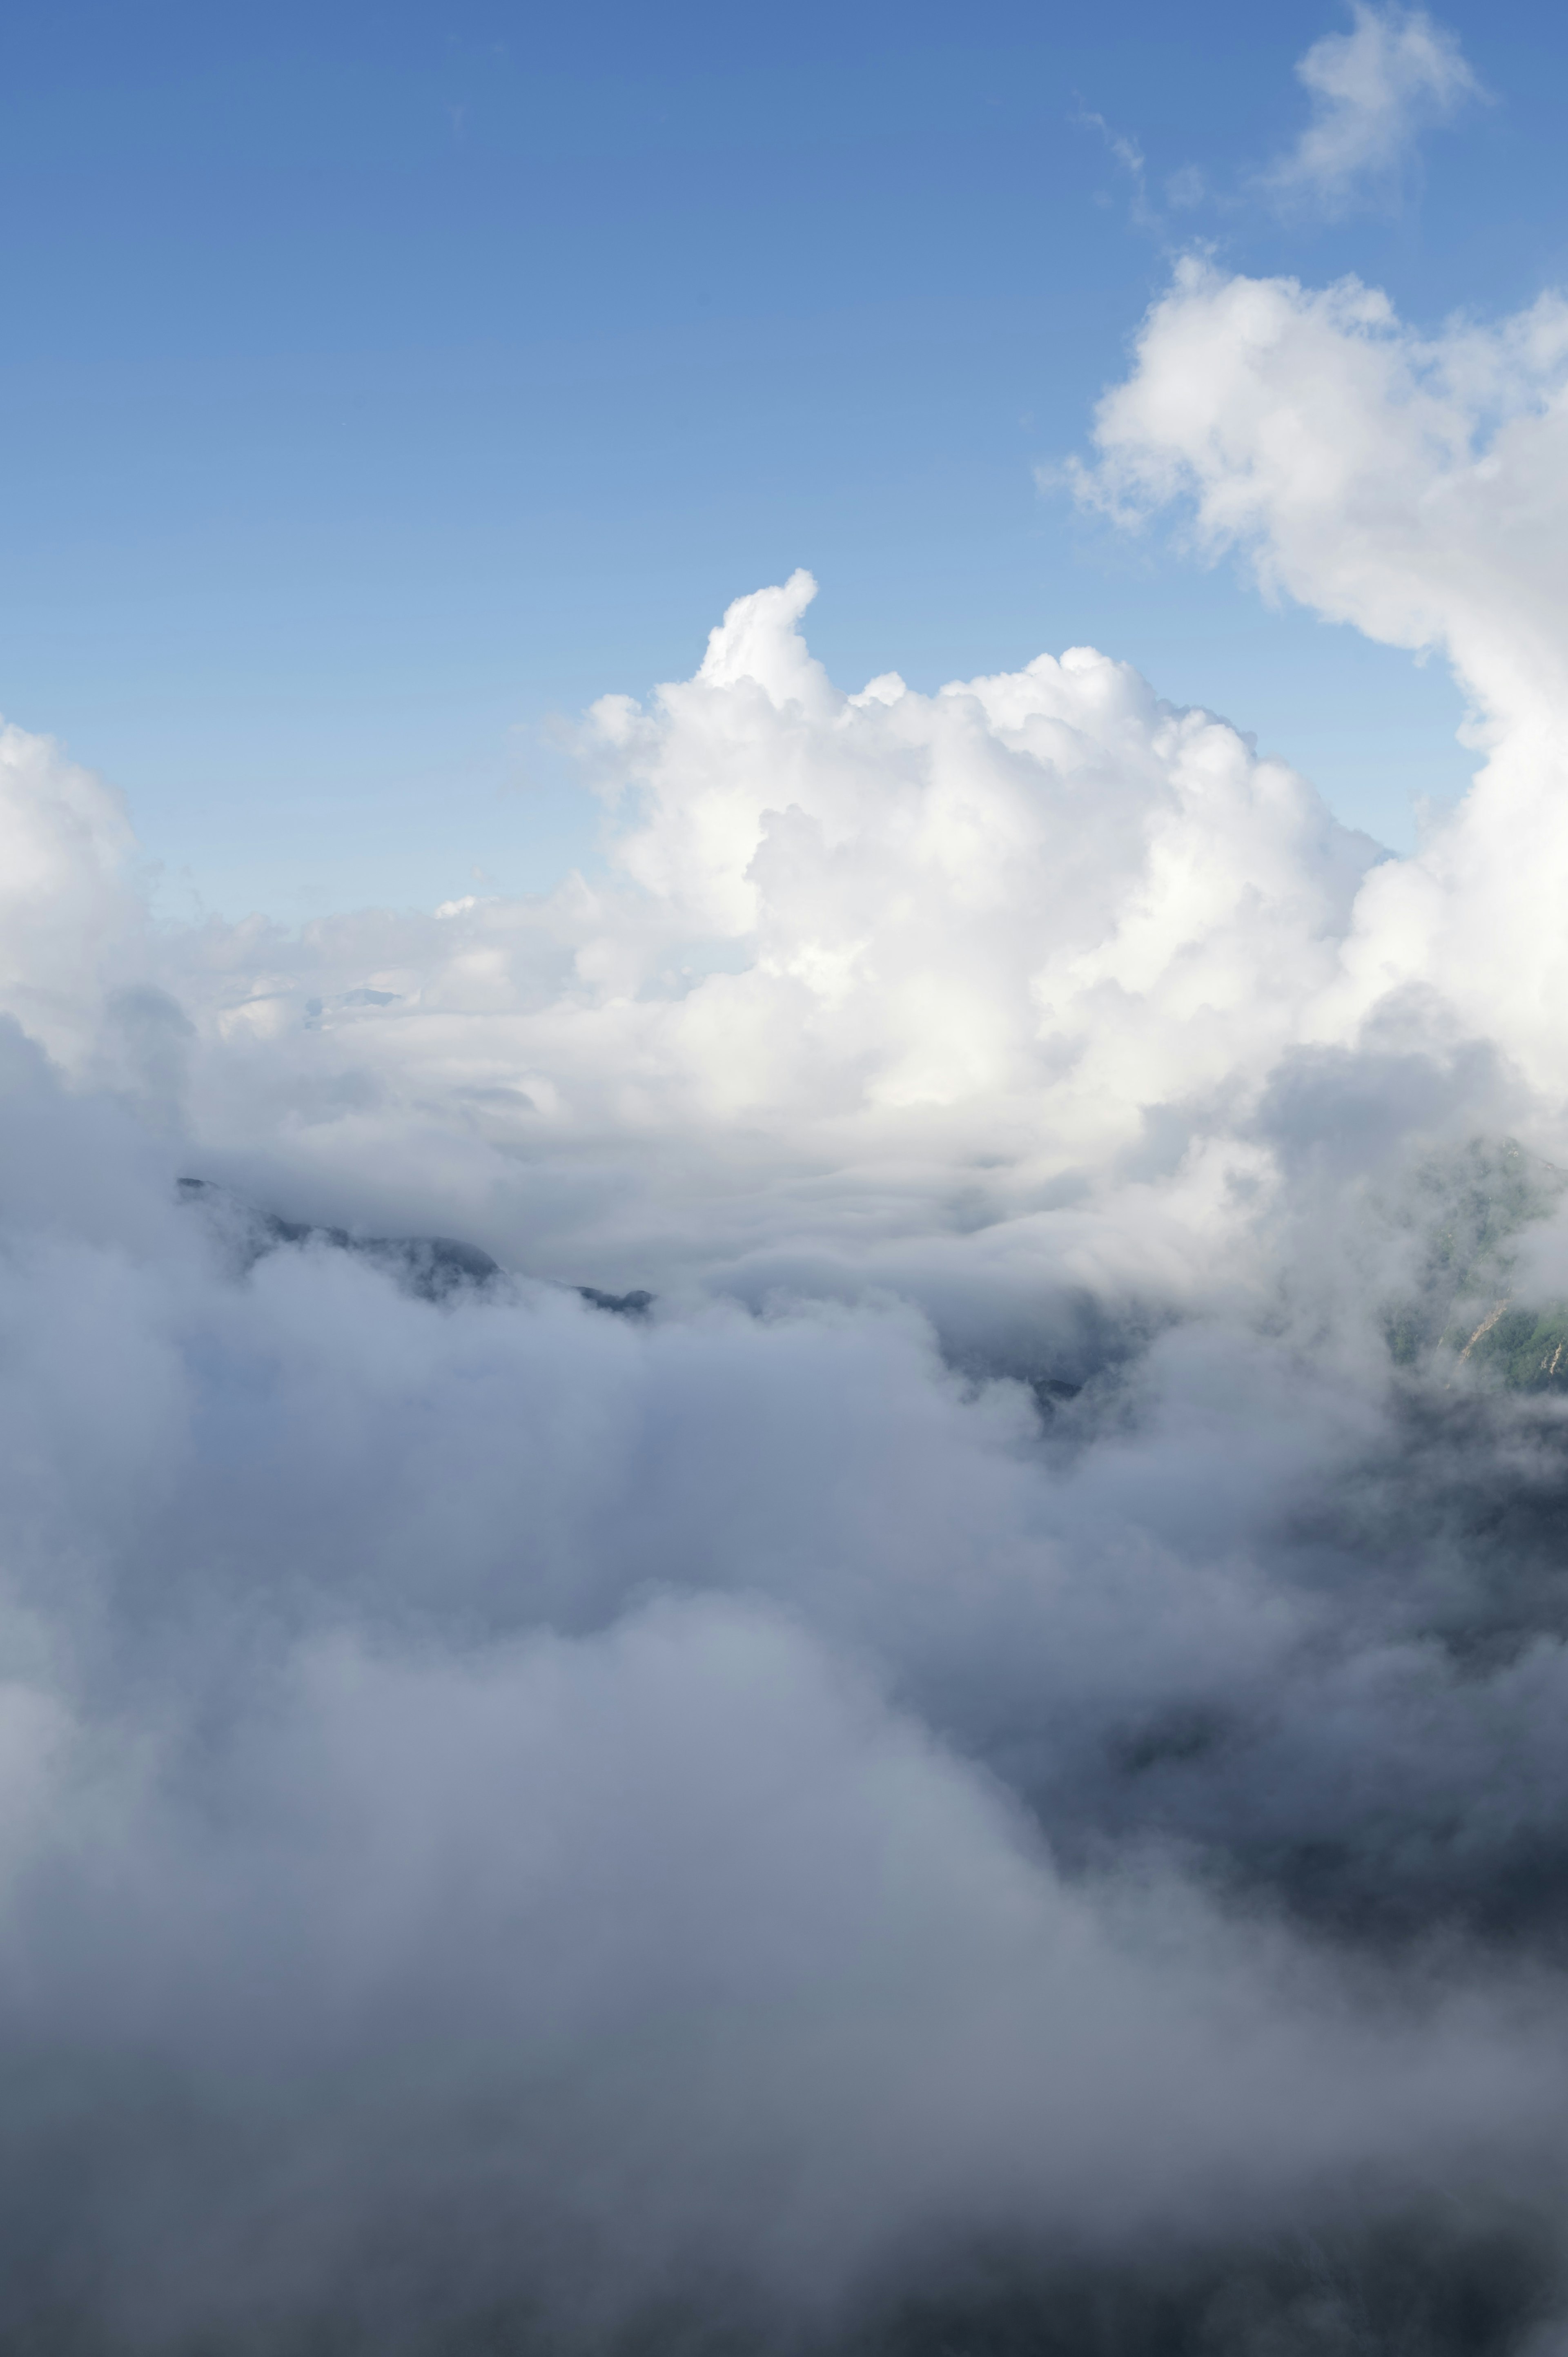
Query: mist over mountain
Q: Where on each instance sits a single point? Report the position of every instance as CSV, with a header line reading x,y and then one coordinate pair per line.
x,y
982,1763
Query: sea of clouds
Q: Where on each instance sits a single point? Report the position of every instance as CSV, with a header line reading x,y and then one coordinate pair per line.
x,y
987,1773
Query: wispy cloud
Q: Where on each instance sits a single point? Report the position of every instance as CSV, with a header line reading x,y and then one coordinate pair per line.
x,y
1374,90
1129,156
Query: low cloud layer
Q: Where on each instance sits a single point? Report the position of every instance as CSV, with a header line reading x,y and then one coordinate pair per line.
x,y
986,1768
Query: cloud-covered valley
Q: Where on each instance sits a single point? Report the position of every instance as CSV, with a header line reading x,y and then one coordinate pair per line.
x,y
987,1768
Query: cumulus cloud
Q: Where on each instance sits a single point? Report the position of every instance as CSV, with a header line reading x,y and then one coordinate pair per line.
x,y
1373,91
1413,485
870,969
991,1760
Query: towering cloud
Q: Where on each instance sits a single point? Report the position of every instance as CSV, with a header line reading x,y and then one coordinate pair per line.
x,y
988,1767
872,971
1414,487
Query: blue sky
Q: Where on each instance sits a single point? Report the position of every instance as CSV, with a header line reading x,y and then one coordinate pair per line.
x,y
382,381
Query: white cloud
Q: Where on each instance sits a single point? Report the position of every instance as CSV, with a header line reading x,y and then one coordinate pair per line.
x,y
607,1806
1414,486
966,937
1022,1709
1373,91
